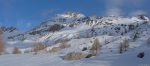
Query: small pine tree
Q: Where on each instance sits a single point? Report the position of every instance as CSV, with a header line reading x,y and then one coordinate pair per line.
x,y
16,51
135,36
95,47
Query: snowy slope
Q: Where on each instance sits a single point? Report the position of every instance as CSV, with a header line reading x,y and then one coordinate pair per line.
x,y
80,31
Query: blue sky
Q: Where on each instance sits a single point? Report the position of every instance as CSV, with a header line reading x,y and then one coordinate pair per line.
x,y
25,14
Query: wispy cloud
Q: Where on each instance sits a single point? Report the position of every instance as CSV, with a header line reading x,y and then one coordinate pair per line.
x,y
113,7
24,24
48,12
114,12
139,12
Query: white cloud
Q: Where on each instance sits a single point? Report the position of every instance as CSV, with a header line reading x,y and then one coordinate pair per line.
x,y
114,12
113,7
114,3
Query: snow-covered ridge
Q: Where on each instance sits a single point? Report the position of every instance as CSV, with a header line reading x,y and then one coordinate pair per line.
x,y
85,26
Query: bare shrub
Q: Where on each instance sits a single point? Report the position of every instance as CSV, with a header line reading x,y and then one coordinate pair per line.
x,y
121,48
38,46
64,45
124,46
16,51
2,47
95,47
55,49
74,56
61,46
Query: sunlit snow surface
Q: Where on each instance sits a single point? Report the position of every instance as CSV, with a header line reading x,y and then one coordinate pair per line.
x,y
108,56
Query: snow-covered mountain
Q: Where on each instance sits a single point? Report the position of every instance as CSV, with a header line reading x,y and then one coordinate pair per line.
x,y
79,32
75,25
